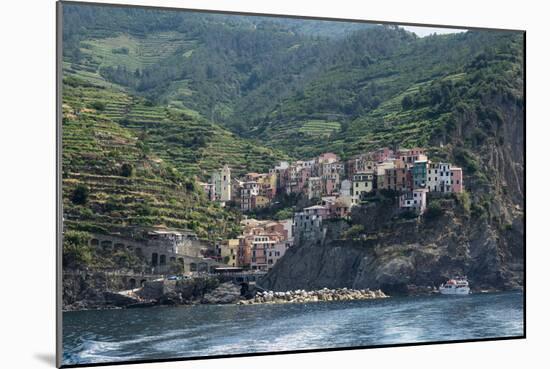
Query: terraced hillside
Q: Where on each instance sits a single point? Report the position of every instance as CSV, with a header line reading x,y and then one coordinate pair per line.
x,y
362,86
155,100
111,182
175,134
135,52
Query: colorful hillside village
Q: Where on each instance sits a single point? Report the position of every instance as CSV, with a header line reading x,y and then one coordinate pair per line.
x,y
335,185
338,184
332,185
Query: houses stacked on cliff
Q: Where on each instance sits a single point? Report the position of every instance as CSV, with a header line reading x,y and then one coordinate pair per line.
x,y
219,188
336,186
341,184
262,243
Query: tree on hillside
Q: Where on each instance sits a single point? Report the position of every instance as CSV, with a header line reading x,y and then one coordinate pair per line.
x,y
80,195
126,170
76,251
98,105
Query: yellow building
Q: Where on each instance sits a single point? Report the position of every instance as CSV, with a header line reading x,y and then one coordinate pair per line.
x,y
227,250
262,201
362,183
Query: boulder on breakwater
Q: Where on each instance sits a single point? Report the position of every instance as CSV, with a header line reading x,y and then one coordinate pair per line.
x,y
225,293
301,296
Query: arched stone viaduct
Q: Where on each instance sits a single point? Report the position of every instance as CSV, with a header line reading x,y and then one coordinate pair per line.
x,y
160,257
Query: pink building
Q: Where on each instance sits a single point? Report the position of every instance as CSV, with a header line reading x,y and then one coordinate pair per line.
x,y
328,157
383,154
303,177
456,180
341,207
276,252
319,210
409,156
331,183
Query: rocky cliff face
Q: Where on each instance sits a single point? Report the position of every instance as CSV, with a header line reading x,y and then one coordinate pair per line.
x,y
480,234
401,255
98,290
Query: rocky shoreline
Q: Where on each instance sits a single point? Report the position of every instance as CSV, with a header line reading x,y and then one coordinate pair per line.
x,y
175,293
302,296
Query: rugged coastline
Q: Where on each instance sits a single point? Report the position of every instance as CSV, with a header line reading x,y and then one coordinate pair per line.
x,y
196,291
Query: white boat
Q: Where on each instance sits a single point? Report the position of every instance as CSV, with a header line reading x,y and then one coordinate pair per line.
x,y
455,286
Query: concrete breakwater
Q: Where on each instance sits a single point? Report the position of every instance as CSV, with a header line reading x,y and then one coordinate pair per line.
x,y
325,294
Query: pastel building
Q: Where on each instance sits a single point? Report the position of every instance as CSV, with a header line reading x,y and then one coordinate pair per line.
x,y
439,177
303,178
358,164
306,227
456,180
409,156
346,192
244,252
363,183
330,183
277,227
297,176
314,188
383,154
341,208
279,171
261,244
267,185
318,210
276,252
420,174
345,188
414,200
249,192
328,157
396,178
221,181
332,168
227,251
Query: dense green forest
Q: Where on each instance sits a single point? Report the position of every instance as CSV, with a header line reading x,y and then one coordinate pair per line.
x,y
190,92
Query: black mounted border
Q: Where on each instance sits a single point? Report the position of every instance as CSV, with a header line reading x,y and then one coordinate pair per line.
x,y
59,200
